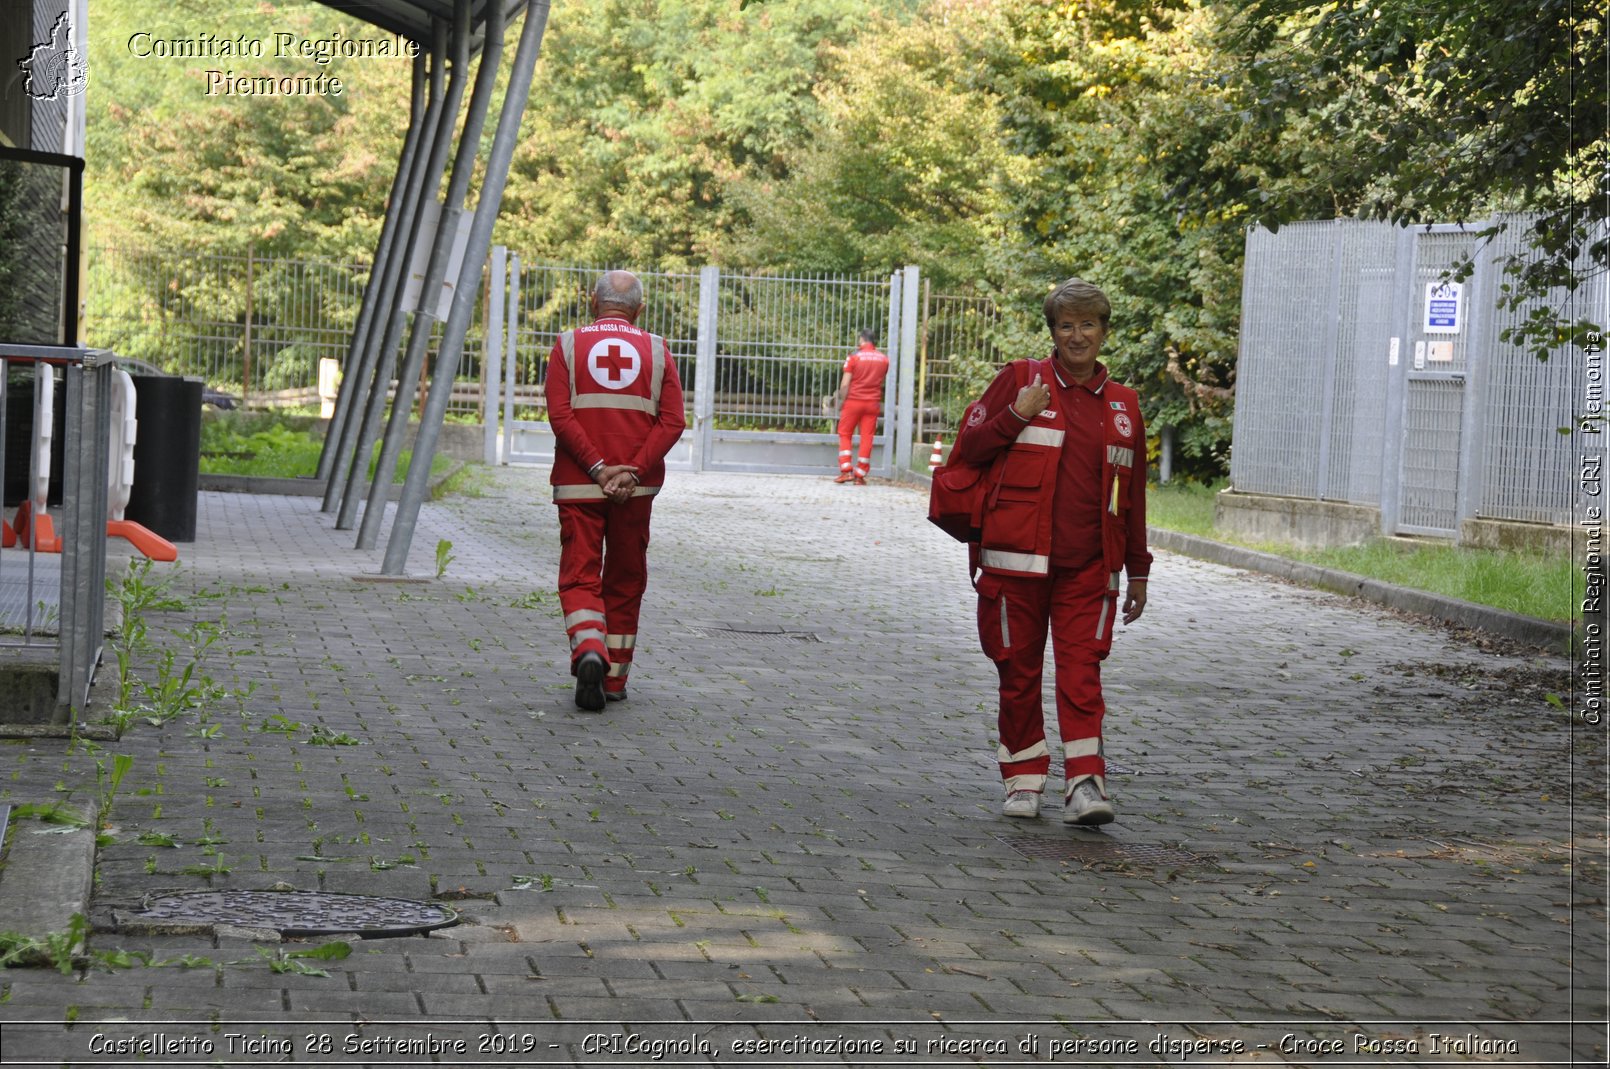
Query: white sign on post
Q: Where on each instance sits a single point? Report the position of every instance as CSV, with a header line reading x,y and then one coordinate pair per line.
x,y
1444,303
421,259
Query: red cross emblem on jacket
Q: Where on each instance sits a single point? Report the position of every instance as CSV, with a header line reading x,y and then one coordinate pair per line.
x,y
612,364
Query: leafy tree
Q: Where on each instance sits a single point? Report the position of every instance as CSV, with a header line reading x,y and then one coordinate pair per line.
x,y
901,166
1117,111
644,117
1453,112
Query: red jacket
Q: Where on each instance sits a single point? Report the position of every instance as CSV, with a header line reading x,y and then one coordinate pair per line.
x,y
613,395
1025,465
867,367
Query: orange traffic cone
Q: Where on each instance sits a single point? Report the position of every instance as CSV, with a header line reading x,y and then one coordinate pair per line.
x,y
938,458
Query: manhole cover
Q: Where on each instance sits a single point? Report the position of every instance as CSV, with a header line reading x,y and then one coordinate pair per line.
x,y
295,913
752,634
1059,849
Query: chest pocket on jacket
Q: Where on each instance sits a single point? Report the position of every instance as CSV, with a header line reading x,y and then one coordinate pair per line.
x,y
1015,502
1024,470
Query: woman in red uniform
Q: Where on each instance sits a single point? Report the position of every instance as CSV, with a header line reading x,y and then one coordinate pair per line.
x,y
861,393
1067,451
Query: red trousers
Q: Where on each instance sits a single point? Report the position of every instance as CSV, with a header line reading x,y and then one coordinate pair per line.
x,y
603,571
1077,606
859,416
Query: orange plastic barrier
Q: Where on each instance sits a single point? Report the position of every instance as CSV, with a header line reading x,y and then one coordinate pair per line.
x,y
39,530
143,539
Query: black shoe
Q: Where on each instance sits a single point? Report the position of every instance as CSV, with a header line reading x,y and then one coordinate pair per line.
x,y
615,695
590,682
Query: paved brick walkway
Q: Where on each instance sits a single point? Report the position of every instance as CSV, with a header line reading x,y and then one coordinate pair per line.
x,y
1335,826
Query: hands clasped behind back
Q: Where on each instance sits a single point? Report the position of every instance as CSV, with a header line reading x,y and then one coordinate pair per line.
x,y
618,481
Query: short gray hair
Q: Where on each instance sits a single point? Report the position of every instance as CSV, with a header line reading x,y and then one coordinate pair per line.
x,y
1077,295
618,289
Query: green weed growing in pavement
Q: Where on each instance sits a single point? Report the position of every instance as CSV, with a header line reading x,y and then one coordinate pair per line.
x,y
217,868
323,736
57,813
107,781
444,556
58,949
296,961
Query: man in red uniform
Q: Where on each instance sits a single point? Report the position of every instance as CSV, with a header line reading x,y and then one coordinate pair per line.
x,y
861,393
615,405
1066,512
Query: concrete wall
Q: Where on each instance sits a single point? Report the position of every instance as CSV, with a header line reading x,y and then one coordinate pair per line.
x,y
1321,524
1548,538
1296,521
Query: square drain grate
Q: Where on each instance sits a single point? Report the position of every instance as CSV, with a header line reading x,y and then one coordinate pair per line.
x,y
1053,848
751,634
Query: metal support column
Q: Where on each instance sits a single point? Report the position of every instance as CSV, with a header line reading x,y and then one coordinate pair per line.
x,y
441,143
492,358
905,412
372,289
891,408
1480,311
704,366
441,254
385,327
513,347
1329,339
458,321
1399,351
83,575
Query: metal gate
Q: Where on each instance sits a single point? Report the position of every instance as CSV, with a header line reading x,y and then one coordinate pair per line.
x,y
1371,374
1433,447
759,357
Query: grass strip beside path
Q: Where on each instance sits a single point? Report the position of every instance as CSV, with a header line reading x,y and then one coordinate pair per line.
x,y
1532,584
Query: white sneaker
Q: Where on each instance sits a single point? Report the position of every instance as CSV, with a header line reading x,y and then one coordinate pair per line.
x,y
1021,804
1086,806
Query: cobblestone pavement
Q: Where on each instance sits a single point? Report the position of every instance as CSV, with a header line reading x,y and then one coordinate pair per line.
x,y
1343,836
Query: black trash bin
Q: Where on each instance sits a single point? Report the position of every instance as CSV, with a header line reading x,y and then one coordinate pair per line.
x,y
167,456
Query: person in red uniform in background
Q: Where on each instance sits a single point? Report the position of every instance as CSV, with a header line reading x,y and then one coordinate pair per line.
x,y
615,405
861,394
1067,512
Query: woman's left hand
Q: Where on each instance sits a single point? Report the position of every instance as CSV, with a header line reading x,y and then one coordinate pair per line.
x,y
1134,602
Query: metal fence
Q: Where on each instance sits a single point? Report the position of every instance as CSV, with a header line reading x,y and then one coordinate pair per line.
x,y
252,326
53,560
1369,374
257,327
958,358
552,298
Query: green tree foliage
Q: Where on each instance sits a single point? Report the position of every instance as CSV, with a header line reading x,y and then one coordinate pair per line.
x,y
1117,112
1441,113
645,115
171,167
181,187
1001,145
901,164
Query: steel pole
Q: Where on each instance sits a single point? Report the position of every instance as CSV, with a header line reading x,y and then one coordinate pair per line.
x,y
372,288
382,334
441,142
441,254
458,321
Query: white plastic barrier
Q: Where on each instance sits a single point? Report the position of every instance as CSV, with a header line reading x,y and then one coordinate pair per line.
x,y
44,431
125,427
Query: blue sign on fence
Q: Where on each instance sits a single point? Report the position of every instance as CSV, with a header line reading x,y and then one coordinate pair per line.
x,y
1443,305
